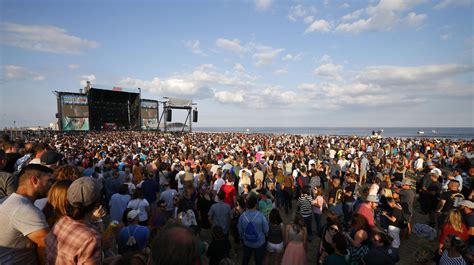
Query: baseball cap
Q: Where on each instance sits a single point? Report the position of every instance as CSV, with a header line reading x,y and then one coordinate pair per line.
x,y
407,181
372,198
85,191
133,214
467,203
50,157
436,171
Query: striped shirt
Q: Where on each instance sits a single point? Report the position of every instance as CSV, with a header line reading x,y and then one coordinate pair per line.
x,y
304,204
446,260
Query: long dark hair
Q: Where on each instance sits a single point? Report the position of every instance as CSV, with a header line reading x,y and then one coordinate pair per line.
x,y
274,217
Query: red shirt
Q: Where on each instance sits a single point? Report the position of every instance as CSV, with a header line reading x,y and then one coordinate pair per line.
x,y
366,211
448,229
229,191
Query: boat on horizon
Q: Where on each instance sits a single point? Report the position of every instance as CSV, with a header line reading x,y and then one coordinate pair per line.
x,y
420,132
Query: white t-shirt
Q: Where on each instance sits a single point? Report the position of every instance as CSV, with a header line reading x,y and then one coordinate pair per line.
x,y
218,184
19,217
139,204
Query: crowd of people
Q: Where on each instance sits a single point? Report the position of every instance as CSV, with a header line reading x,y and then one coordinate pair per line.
x,y
147,198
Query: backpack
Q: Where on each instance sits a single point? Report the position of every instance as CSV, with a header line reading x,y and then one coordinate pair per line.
x,y
250,233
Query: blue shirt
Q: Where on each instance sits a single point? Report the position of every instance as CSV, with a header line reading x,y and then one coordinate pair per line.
x,y
167,196
220,213
141,234
150,187
261,225
118,203
88,172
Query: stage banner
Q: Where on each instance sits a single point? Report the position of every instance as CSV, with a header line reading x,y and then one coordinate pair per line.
x,y
149,114
181,103
75,112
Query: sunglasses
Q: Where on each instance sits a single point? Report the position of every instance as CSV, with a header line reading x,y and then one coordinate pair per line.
x,y
334,229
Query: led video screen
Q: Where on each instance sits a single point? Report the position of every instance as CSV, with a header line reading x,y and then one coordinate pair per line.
x,y
149,114
75,112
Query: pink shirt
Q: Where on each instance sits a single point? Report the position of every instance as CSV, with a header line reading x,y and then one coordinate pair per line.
x,y
319,200
368,213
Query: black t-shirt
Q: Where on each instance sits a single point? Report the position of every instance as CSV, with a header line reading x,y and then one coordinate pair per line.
x,y
397,176
436,188
350,188
336,194
397,213
218,250
452,198
11,160
469,221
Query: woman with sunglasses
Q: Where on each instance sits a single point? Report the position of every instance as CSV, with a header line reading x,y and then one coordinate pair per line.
x,y
331,228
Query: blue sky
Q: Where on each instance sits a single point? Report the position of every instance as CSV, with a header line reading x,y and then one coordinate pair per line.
x,y
248,63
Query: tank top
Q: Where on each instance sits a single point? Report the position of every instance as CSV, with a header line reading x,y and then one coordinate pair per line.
x,y
293,236
275,234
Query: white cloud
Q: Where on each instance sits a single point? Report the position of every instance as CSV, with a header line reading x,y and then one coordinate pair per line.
x,y
265,55
73,66
263,4
199,83
194,46
15,72
318,26
396,75
446,36
325,59
277,95
414,20
354,15
446,3
296,12
43,38
385,16
329,70
230,45
281,72
239,68
229,97
292,57
39,77
345,5
91,78
308,19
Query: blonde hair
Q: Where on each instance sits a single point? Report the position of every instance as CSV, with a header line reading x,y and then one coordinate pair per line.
x,y
455,220
57,201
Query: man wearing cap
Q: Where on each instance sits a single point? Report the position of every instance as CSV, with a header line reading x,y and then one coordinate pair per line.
x,y
467,207
367,209
423,191
51,159
24,226
133,237
456,174
74,239
167,195
433,193
407,200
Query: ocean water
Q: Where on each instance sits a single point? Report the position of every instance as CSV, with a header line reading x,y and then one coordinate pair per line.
x,y
403,132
